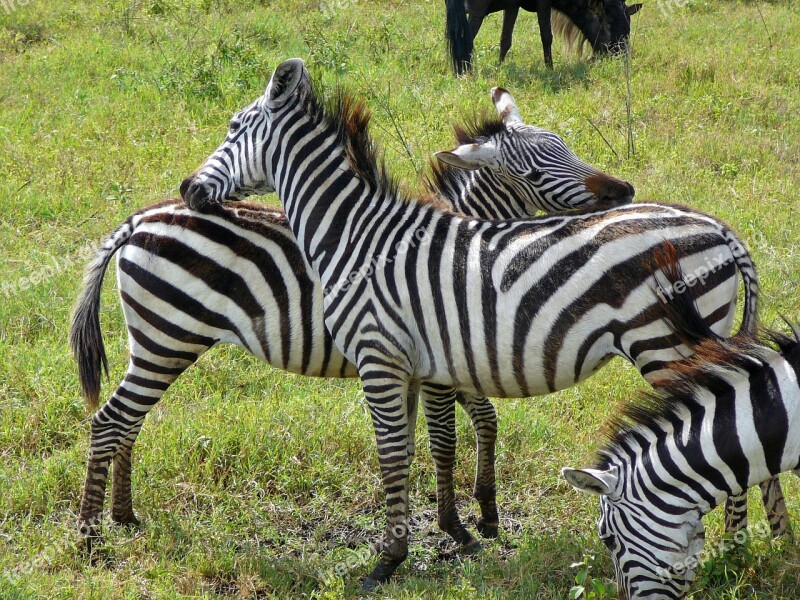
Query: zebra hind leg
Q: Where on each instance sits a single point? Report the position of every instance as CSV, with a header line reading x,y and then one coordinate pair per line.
x,y
113,431
775,507
121,496
439,407
484,421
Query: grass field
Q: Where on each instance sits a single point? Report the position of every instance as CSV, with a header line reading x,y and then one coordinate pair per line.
x,y
254,483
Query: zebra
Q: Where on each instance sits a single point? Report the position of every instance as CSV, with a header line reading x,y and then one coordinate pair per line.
x,y
414,293
727,419
255,290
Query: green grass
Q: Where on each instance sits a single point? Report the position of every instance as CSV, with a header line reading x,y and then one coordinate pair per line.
x,y
251,482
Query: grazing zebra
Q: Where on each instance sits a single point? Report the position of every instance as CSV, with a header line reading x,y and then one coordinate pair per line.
x,y
605,25
414,293
255,290
729,418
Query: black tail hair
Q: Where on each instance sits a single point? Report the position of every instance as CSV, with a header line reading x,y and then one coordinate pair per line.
x,y
682,315
85,337
459,36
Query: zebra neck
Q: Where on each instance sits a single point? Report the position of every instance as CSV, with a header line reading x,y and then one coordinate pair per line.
x,y
342,219
735,432
483,195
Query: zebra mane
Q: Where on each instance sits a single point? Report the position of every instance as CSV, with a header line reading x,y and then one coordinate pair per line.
x,y
348,118
478,128
677,396
714,358
475,129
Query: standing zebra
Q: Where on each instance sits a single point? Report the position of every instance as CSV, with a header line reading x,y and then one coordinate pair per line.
x,y
728,419
414,293
189,281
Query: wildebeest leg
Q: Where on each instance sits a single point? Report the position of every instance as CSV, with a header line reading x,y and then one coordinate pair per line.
x,y
546,31
509,20
477,13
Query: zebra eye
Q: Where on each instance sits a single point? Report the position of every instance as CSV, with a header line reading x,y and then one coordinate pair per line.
x,y
534,174
234,127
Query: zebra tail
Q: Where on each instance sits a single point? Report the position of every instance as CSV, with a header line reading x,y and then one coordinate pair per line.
x,y
85,337
680,308
682,315
744,262
459,36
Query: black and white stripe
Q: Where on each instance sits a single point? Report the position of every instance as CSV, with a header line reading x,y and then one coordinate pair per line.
x,y
728,419
189,281
417,294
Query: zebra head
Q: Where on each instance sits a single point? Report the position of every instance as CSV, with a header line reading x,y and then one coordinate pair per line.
x,y
535,164
238,167
655,553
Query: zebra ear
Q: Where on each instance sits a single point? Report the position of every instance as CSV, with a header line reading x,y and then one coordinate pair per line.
x,y
591,481
505,105
284,82
470,156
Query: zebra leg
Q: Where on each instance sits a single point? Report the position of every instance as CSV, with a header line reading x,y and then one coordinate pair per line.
x,y
412,399
386,395
439,407
506,37
484,421
736,513
775,507
121,497
114,430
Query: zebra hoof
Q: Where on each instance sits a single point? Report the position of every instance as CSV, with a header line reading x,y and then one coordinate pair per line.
x,y
472,548
382,572
488,530
129,521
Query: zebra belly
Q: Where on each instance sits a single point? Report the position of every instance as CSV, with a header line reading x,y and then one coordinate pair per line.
x,y
186,308
561,342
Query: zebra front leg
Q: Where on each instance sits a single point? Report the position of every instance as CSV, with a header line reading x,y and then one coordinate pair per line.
x,y
484,420
388,405
412,399
439,406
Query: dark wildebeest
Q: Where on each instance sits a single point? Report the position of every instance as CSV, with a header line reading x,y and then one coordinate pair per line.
x,y
604,24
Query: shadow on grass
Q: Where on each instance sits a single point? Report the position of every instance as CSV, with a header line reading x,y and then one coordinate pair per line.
x,y
562,76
